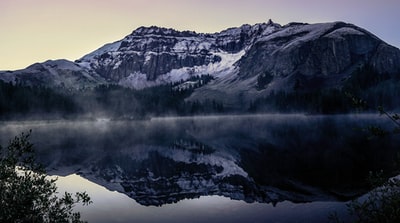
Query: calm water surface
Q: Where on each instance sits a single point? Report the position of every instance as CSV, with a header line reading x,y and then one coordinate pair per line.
x,y
111,206
260,168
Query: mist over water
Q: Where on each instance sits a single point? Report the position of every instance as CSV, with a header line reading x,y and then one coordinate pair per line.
x,y
252,158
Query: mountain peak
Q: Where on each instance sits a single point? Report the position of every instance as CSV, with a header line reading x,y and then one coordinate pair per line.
x,y
250,29
161,31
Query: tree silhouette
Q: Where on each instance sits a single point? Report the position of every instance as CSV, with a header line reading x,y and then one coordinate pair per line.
x,y
27,194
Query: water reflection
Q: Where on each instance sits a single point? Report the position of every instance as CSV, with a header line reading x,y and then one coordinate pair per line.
x,y
115,207
265,158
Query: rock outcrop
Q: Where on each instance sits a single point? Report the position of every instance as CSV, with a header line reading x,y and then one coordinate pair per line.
x,y
318,49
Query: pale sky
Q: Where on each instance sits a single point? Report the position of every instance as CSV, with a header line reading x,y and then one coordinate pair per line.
x,y
37,30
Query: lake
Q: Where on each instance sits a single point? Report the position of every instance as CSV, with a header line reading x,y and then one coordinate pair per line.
x,y
254,168
111,206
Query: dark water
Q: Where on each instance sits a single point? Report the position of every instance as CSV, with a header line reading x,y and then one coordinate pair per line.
x,y
259,160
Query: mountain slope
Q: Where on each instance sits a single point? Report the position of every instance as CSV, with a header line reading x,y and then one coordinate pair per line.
x,y
315,55
54,74
153,55
246,62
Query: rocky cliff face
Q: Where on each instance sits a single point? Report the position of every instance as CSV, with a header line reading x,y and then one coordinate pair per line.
x,y
315,55
318,49
153,52
386,59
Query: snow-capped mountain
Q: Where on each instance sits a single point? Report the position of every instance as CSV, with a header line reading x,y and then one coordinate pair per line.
x,y
236,57
315,55
54,74
153,55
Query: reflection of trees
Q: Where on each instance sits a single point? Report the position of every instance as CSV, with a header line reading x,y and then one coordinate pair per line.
x,y
382,203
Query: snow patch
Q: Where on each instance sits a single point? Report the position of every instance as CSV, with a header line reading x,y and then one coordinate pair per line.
x,y
136,80
304,33
111,47
62,65
117,64
220,69
339,33
192,45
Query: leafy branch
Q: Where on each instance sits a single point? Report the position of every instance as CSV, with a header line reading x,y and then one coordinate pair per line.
x,y
382,204
361,105
26,192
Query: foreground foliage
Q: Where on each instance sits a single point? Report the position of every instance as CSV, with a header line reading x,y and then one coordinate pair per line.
x,y
27,194
382,204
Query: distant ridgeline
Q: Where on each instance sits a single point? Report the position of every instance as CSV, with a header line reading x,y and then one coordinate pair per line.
x,y
259,68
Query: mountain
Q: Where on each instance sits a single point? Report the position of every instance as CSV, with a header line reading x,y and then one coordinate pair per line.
x,y
153,55
316,55
246,62
54,74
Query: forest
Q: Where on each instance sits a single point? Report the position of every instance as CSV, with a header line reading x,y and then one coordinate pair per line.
x,y
21,102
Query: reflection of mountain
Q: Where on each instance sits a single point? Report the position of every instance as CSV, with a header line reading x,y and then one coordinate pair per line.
x,y
251,158
164,175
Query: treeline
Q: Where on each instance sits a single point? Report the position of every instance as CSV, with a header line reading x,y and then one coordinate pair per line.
x,y
119,102
374,88
329,101
19,100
